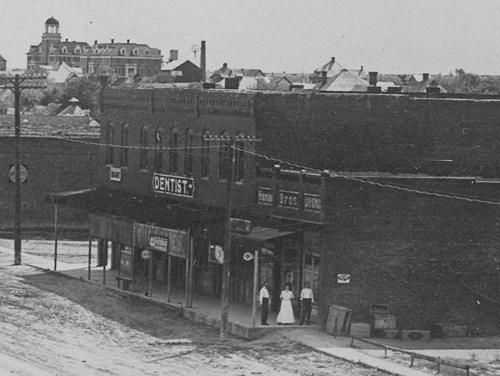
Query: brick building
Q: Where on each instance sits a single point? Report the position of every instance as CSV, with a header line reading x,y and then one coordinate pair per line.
x,y
52,50
417,232
125,59
56,161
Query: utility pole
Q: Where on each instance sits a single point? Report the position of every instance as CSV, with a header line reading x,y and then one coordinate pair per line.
x,y
15,84
232,145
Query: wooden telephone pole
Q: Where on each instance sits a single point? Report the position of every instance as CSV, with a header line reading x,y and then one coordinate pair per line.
x,y
16,85
232,145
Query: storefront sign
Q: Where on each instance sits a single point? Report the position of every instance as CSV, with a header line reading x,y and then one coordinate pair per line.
x,y
175,242
241,225
312,202
158,243
115,174
343,278
288,199
215,254
264,196
173,185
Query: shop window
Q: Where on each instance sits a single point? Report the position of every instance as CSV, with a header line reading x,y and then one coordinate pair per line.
x,y
205,155
143,156
124,146
224,156
188,153
174,157
158,156
109,143
239,161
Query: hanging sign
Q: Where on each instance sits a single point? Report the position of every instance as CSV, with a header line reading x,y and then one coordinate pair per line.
x,y
343,278
146,254
173,185
247,256
115,173
158,243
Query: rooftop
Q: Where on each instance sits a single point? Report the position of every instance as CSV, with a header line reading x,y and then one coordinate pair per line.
x,y
74,127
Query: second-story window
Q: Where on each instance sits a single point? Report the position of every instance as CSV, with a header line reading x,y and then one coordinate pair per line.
x,y
124,146
109,143
173,150
205,155
239,171
188,153
144,151
224,156
158,159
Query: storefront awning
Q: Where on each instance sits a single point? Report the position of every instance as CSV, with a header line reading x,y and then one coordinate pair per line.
x,y
261,234
165,212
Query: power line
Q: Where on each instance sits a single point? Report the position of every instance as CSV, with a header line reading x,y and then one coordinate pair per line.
x,y
374,183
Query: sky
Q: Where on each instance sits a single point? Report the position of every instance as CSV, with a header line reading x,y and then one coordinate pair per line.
x,y
388,36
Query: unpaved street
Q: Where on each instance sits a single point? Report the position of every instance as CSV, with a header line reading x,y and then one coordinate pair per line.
x,y
54,325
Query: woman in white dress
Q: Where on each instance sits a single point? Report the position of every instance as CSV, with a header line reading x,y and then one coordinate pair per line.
x,y
286,316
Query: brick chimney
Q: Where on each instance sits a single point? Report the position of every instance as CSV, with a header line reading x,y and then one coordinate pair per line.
x,y
425,76
128,41
372,80
112,41
203,61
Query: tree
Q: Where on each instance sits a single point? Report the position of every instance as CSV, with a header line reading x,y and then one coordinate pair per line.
x,y
86,90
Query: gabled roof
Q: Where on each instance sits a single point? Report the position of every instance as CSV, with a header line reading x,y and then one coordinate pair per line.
x,y
250,72
331,67
417,84
175,65
343,81
2,58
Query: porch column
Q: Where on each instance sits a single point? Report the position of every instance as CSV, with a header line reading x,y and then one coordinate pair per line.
x,y
55,237
255,284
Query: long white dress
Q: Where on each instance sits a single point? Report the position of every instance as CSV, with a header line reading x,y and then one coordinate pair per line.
x,y
286,316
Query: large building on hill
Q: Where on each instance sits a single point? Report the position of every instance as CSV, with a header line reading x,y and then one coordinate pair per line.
x,y
52,50
125,59
375,199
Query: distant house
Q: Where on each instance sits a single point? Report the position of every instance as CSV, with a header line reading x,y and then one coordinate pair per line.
x,y
331,69
3,63
422,83
61,73
183,72
342,81
72,109
225,72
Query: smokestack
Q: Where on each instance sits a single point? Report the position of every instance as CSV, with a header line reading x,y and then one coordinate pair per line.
x,y
203,61
372,80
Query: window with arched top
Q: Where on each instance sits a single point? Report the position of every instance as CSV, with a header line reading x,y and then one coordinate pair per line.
x,y
239,161
188,152
224,156
205,154
109,143
124,145
143,155
174,157
158,155
64,50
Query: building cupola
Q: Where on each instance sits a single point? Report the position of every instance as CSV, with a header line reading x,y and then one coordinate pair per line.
x,y
52,26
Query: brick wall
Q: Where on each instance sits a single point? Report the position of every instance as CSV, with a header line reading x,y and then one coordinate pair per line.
x,y
396,133
53,166
420,255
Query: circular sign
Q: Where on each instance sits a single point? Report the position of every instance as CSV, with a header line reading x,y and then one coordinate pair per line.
x,y
247,256
146,254
12,173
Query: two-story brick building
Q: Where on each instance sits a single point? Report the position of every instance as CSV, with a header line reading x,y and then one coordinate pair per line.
x,y
418,233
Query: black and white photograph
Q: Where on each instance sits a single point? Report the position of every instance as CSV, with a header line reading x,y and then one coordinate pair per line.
x,y
249,187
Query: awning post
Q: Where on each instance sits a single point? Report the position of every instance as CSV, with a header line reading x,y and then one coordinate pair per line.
x,y
255,278
55,237
90,256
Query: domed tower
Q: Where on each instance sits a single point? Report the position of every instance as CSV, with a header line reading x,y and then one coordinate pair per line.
x,y
50,39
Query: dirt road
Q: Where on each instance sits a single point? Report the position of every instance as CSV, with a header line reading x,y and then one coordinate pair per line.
x,y
54,325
